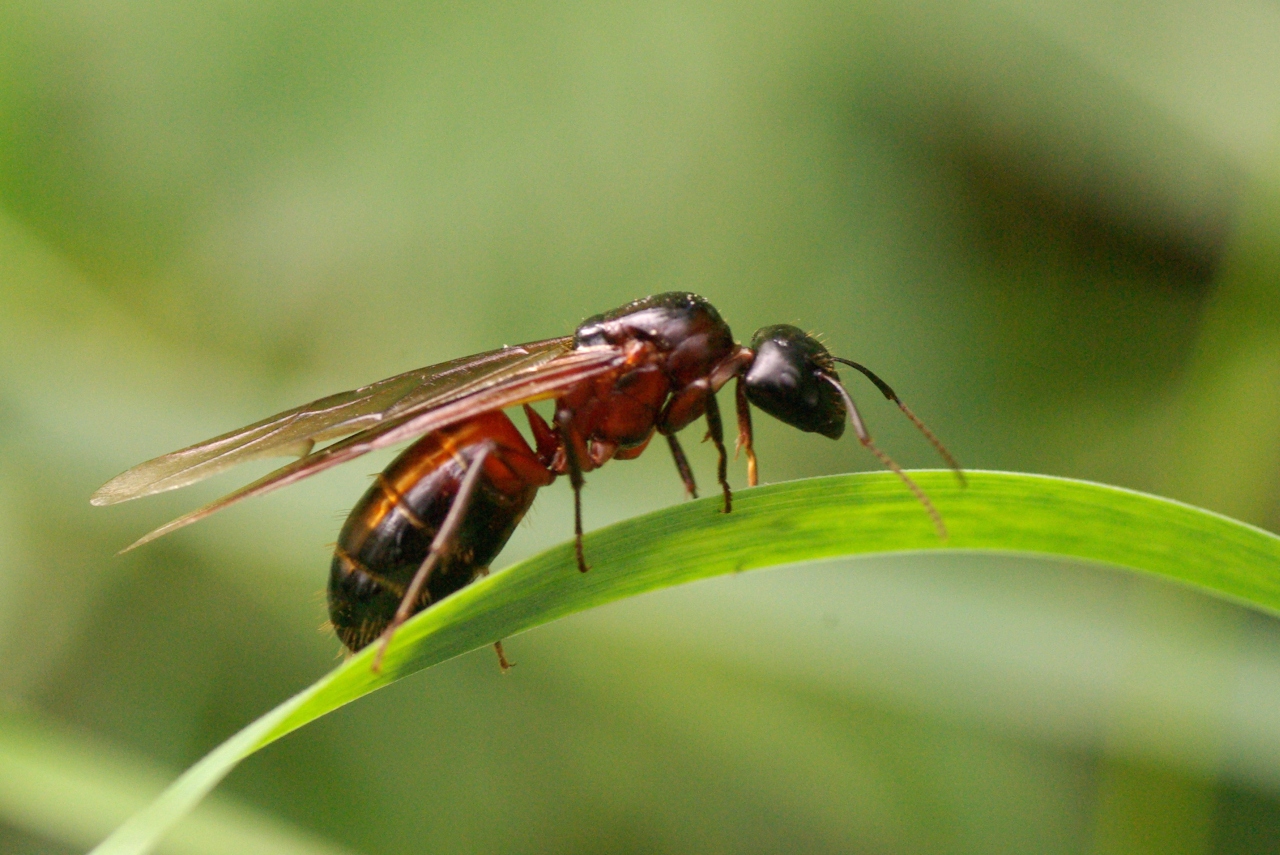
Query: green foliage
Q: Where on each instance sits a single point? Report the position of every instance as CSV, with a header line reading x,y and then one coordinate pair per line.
x,y
781,524
66,787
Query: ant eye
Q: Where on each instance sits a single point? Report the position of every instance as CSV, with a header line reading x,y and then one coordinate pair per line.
x,y
784,381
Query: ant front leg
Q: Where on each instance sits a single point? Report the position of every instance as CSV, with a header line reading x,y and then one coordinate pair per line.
x,y
744,433
440,545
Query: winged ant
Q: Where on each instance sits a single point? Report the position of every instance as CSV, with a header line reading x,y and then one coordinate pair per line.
x,y
444,508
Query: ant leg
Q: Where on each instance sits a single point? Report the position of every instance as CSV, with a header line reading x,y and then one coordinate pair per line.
x,y
682,466
439,545
497,645
744,433
502,658
545,439
576,481
715,431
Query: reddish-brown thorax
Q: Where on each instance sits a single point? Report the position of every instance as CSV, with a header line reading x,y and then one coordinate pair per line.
x,y
678,350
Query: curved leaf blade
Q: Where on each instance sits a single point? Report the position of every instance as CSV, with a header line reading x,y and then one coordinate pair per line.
x,y
780,524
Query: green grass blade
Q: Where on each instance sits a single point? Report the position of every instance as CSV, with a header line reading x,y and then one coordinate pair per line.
x,y
780,524
70,789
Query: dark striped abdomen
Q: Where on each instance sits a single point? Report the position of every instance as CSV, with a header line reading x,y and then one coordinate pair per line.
x,y
389,532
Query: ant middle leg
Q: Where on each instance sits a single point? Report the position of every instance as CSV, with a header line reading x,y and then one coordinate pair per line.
x,y
573,463
682,466
715,432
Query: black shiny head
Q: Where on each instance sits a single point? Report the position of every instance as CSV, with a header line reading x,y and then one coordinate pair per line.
x,y
788,380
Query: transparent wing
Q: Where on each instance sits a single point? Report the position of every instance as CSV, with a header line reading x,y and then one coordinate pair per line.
x,y
548,380
296,431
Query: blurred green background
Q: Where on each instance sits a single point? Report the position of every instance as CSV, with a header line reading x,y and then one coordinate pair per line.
x,y
1053,226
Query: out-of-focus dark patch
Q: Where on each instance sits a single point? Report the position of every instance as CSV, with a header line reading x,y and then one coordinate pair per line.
x,y
1045,157
1246,820
1120,229
14,840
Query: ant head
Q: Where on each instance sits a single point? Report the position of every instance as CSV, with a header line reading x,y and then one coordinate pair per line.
x,y
791,379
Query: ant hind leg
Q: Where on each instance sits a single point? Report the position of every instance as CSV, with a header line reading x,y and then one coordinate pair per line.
x,y
440,545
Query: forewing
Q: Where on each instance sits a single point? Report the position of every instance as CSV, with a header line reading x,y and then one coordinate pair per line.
x,y
549,380
296,431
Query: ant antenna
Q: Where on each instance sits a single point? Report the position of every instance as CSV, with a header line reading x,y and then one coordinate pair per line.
x,y
915,420
865,438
